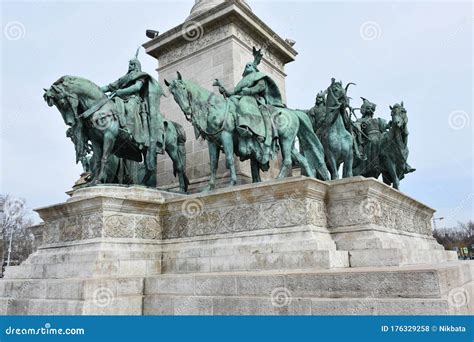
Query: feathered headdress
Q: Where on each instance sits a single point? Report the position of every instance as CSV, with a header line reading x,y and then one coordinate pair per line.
x,y
257,57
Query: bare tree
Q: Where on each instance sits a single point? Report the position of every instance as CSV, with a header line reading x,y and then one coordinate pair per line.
x,y
457,237
15,220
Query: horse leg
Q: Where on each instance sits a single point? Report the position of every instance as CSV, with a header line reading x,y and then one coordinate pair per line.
x,y
172,151
386,180
393,174
347,168
95,161
228,146
303,162
214,161
181,168
255,171
332,165
149,179
286,163
108,144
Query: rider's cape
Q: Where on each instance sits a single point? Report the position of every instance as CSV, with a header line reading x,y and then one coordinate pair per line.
x,y
150,93
248,106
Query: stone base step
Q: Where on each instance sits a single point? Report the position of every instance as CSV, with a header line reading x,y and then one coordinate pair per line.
x,y
64,256
13,307
446,288
258,261
71,289
122,268
304,247
223,305
399,257
421,289
129,305
108,296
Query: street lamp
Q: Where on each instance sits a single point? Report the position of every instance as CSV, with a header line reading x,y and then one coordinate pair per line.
x,y
436,219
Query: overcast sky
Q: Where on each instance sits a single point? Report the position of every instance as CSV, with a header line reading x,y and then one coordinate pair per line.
x,y
418,52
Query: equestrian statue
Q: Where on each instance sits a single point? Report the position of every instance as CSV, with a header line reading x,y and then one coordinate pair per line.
x,y
252,122
118,129
385,144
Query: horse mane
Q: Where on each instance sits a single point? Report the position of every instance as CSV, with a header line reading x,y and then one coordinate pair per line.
x,y
73,79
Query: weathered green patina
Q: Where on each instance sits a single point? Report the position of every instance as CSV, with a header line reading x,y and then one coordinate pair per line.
x,y
386,145
127,124
251,122
369,133
118,129
317,113
336,131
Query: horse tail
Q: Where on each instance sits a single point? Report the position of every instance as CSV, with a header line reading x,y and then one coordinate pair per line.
x,y
312,147
181,162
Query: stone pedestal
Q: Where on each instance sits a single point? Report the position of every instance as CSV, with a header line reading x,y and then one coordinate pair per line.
x,y
291,246
380,226
97,248
215,42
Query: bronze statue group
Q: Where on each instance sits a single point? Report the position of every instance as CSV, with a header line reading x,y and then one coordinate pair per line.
x,y
118,129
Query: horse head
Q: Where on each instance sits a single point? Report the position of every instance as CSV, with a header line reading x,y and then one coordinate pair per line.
x,y
336,90
399,115
181,95
66,103
336,93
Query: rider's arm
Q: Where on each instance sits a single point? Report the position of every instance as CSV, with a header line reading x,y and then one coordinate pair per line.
x,y
135,88
110,87
225,92
222,89
256,89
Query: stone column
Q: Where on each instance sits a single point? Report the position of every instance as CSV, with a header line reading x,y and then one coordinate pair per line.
x,y
215,41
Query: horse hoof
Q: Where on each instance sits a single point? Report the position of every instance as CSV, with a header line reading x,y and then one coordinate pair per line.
x,y
208,189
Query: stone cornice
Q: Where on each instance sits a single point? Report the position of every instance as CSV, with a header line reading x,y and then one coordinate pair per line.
x,y
229,11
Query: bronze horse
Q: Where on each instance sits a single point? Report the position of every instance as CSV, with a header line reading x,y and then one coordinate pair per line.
x,y
214,117
335,137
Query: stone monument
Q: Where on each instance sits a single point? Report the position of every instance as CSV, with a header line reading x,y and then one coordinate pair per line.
x,y
215,41
296,246
291,246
